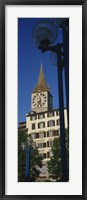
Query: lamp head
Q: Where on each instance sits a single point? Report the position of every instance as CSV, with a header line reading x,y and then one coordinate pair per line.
x,y
44,33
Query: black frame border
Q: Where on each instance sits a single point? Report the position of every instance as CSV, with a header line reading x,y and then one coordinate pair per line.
x,y
2,98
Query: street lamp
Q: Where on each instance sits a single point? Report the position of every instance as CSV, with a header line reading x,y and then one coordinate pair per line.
x,y
44,35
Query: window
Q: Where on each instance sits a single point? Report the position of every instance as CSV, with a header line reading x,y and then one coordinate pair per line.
x,y
37,135
49,143
51,154
50,133
42,134
41,125
33,135
44,155
48,154
58,132
55,133
33,126
57,113
33,117
50,114
58,122
51,123
41,116
41,145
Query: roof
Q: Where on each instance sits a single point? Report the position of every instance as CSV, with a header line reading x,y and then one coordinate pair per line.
x,y
56,109
41,84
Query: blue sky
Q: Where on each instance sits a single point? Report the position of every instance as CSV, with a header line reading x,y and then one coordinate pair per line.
x,y
29,61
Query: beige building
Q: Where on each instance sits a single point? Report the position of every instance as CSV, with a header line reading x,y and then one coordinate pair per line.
x,y
43,122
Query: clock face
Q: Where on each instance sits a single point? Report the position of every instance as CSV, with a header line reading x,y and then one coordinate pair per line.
x,y
39,100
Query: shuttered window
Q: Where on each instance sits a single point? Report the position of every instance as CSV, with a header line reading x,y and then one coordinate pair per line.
x,y
57,113
49,143
33,117
41,116
58,122
51,123
41,145
50,114
42,134
50,133
41,125
48,154
33,126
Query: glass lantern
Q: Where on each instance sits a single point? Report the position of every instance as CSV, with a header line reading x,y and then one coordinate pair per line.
x,y
44,32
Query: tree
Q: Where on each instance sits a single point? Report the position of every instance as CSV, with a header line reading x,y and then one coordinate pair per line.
x,y
54,165
35,158
22,136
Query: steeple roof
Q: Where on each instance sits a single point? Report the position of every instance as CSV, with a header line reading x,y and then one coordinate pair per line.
x,y
41,84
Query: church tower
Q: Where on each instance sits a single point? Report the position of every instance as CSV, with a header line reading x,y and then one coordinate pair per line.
x,y
41,99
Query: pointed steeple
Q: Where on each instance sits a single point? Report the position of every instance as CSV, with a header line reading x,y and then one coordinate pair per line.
x,y
41,84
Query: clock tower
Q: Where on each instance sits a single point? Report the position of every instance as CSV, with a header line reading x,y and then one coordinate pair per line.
x,y
41,99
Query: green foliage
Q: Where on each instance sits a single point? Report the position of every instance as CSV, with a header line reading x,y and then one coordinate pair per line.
x,y
54,165
35,163
21,156
35,159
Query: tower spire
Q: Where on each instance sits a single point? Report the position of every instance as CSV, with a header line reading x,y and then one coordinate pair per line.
x,y
41,84
41,63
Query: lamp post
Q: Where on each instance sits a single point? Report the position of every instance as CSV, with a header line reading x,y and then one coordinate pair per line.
x,y
27,147
44,35
64,25
27,171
